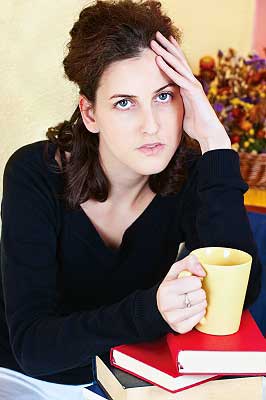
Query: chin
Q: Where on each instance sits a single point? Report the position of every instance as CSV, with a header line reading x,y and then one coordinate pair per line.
x,y
158,167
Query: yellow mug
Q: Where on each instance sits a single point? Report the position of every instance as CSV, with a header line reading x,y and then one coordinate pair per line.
x,y
227,273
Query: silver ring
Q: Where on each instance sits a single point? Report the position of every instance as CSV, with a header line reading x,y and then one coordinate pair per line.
x,y
187,300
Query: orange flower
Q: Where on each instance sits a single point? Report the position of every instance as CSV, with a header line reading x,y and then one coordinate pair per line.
x,y
245,125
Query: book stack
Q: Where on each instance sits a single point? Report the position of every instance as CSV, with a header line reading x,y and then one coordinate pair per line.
x,y
190,366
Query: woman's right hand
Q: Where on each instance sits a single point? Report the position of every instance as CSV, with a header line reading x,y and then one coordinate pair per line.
x,y
171,295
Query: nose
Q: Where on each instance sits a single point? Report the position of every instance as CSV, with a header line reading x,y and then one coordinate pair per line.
x,y
149,124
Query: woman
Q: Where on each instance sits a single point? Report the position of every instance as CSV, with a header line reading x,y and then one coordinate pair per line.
x,y
93,217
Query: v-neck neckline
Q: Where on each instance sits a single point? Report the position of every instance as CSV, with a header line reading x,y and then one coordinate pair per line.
x,y
87,222
131,227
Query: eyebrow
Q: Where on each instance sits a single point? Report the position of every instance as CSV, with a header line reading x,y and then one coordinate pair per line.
x,y
133,96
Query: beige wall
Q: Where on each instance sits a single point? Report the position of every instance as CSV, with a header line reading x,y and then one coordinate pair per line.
x,y
209,25
34,95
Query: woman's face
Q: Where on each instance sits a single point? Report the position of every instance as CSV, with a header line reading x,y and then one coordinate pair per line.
x,y
136,106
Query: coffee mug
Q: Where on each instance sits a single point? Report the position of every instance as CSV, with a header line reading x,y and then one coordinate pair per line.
x,y
227,273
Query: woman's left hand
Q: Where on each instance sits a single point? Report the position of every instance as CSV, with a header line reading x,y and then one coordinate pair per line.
x,y
200,120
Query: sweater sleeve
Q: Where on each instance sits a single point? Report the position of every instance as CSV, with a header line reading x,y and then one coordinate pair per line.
x,y
42,341
214,213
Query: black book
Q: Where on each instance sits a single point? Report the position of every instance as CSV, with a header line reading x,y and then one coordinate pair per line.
x,y
119,385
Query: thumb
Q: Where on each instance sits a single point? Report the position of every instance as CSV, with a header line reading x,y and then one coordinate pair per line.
x,y
189,263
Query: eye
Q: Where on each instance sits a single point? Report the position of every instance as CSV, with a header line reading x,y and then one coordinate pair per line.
x,y
121,103
165,94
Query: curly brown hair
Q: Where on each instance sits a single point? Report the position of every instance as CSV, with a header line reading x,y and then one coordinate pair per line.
x,y
106,32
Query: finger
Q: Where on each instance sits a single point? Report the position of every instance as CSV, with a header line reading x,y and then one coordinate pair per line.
x,y
175,297
177,301
175,317
190,263
179,52
172,300
170,46
173,47
188,324
179,79
186,285
171,60
176,77
195,297
184,273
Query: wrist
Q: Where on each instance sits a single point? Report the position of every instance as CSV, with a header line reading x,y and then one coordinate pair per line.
x,y
216,142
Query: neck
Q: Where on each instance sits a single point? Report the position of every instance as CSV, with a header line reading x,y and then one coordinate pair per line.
x,y
127,194
127,187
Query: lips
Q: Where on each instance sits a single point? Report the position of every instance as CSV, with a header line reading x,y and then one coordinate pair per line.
x,y
150,145
151,149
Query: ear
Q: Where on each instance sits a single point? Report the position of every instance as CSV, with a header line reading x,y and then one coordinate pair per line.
x,y
87,113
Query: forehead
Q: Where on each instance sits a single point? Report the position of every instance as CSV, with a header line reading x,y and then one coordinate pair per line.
x,y
133,75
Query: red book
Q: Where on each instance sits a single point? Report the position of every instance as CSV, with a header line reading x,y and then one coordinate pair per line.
x,y
152,362
242,353
180,361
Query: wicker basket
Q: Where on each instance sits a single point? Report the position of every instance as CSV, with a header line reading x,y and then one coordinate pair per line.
x,y
253,169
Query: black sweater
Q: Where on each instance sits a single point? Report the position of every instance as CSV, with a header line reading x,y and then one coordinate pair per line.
x,y
67,296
